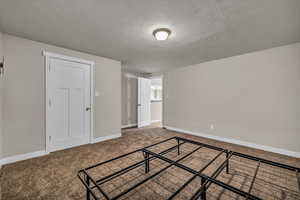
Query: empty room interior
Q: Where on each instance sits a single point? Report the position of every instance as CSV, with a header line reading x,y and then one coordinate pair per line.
x,y
144,100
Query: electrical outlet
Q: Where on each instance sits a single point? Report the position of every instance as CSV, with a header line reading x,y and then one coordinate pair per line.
x,y
212,127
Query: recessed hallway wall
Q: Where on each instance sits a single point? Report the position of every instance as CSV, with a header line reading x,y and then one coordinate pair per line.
x,y
129,98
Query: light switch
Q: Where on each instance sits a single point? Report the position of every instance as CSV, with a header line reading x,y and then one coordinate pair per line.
x,y
97,94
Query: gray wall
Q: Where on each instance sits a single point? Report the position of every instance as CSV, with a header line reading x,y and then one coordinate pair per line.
x,y
24,95
253,97
1,95
129,98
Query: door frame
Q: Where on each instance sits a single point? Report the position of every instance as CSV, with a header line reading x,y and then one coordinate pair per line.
x,y
48,55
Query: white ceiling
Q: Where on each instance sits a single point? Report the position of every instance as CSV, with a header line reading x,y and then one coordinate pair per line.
x,y
202,30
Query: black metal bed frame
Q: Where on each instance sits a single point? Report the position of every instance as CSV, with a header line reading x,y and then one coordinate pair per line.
x,y
206,181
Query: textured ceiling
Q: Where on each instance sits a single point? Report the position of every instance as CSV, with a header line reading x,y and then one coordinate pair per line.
x,y
202,30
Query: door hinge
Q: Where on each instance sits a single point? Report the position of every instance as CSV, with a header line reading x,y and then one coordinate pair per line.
x,y
50,103
49,68
49,138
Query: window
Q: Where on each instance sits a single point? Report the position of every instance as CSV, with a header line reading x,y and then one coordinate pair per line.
x,y
156,93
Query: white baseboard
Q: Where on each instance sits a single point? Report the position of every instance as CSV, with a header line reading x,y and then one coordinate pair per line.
x,y
129,125
12,159
109,137
155,121
239,142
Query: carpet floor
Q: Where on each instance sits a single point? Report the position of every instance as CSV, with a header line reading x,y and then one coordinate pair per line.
x,y
54,177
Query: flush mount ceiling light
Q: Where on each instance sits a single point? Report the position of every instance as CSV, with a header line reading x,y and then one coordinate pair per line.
x,y
161,33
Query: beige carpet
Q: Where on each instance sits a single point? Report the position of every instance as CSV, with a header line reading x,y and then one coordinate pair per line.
x,y
54,176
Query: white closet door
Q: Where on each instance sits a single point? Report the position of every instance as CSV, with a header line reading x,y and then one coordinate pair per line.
x,y
69,104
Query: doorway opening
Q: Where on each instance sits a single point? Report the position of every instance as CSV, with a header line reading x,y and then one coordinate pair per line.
x,y
156,101
150,102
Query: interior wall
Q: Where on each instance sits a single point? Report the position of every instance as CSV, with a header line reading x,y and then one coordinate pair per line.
x,y
1,95
253,97
129,98
24,95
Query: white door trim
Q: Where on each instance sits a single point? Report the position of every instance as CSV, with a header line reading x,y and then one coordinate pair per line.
x,y
48,56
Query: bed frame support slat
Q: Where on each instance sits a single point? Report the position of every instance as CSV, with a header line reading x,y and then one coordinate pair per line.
x,y
216,173
192,178
153,175
253,179
131,167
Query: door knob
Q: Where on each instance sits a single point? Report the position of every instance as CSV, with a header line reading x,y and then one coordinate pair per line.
x,y
87,108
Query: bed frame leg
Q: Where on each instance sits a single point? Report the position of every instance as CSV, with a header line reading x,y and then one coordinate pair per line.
x,y
178,149
203,193
227,164
147,162
298,179
88,195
